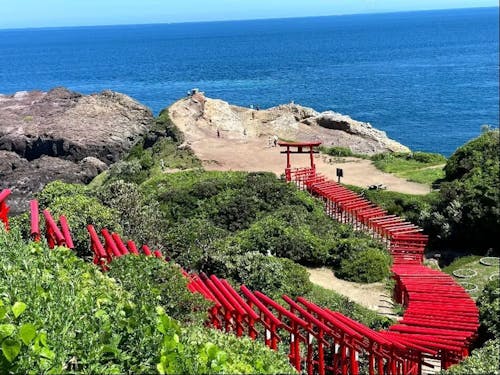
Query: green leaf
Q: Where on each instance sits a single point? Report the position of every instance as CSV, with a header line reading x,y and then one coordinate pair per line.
x,y
10,349
18,308
6,330
3,310
47,353
27,333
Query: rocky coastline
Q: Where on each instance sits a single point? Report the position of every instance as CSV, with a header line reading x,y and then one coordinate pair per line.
x,y
64,135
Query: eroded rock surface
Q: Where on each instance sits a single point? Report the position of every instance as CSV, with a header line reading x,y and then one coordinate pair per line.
x,y
197,115
63,135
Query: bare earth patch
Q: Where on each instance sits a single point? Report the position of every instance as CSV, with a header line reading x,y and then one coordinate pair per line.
x,y
373,296
248,151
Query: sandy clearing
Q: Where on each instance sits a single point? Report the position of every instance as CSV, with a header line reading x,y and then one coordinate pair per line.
x,y
373,296
255,155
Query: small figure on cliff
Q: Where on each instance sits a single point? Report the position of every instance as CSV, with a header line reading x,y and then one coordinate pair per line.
x,y
275,138
218,132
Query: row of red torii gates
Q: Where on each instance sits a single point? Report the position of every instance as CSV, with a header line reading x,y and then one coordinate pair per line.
x,y
440,321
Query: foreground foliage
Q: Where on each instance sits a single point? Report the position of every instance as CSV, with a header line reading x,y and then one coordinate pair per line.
x,y
60,314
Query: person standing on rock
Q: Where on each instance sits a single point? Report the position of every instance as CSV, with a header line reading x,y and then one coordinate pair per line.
x,y
275,138
218,132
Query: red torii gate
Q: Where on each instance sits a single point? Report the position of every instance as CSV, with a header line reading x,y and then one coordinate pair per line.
x,y
301,148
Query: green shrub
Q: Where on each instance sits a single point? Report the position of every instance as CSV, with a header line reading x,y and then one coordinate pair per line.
x,y
191,241
20,339
139,219
270,275
467,214
340,151
482,361
58,189
153,281
80,209
196,350
366,266
273,235
87,323
489,309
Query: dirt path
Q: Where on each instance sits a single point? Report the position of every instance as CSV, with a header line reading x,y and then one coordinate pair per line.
x,y
235,150
255,155
373,296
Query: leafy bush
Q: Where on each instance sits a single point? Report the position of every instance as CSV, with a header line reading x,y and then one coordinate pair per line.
x,y
270,275
482,361
20,339
337,151
139,219
195,350
366,266
154,281
70,318
191,241
489,309
80,209
481,152
85,322
467,214
273,235
58,189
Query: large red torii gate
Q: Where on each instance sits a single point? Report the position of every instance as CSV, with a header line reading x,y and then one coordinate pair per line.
x,y
298,148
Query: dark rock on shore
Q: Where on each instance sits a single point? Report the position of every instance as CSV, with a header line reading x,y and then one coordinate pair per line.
x,y
63,135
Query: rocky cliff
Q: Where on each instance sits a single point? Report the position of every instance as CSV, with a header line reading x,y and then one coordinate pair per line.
x,y
63,135
198,114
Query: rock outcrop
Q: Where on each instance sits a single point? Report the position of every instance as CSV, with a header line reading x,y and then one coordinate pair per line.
x,y
63,135
289,121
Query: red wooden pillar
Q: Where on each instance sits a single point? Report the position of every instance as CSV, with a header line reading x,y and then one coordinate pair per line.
x,y
4,208
311,156
35,221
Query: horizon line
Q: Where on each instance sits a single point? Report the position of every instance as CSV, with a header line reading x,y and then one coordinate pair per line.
x,y
240,19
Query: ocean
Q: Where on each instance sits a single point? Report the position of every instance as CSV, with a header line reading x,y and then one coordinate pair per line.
x,y
429,78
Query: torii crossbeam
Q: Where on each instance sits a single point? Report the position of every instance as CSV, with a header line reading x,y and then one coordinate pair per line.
x,y
298,148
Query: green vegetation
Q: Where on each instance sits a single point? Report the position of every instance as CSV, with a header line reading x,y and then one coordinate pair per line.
x,y
340,152
367,266
160,150
489,310
467,215
482,361
419,167
469,272
414,208
247,227
485,359
196,352
70,317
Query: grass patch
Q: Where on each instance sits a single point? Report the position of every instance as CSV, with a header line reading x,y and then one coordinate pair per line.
x,y
417,167
340,152
471,262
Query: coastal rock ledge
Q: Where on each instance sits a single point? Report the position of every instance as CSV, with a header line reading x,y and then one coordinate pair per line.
x,y
64,135
198,114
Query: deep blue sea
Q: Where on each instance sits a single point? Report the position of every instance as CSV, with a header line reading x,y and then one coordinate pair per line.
x,y
429,79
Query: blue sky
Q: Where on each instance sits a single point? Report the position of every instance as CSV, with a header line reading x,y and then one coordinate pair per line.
x,y
55,13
